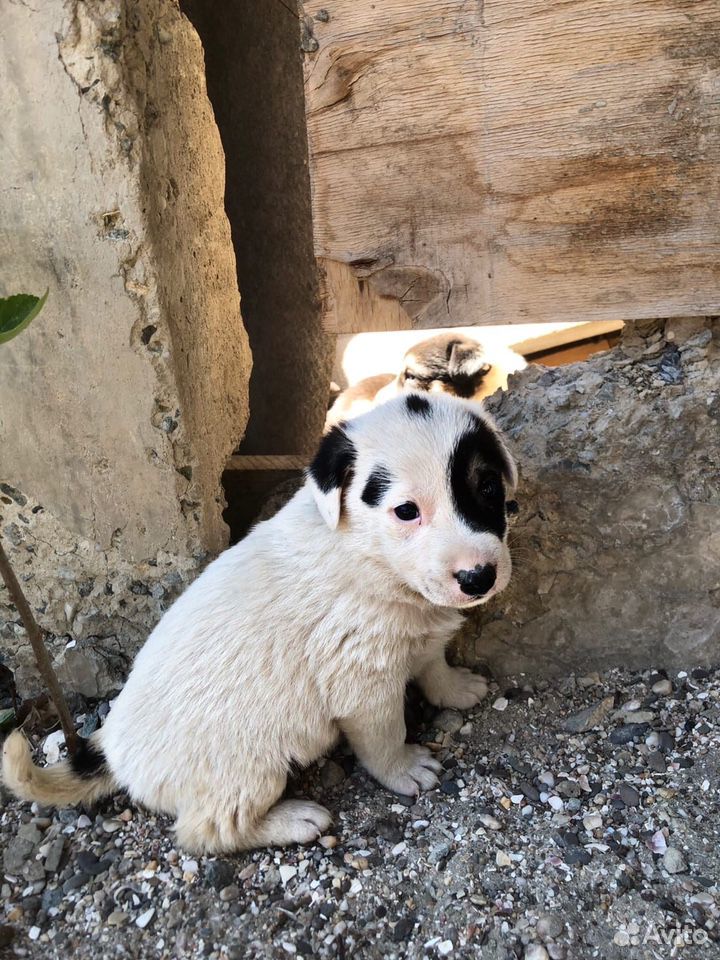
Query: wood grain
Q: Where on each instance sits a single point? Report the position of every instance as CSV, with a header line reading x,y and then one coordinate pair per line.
x,y
505,161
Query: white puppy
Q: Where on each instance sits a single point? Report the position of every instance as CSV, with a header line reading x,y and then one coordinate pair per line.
x,y
308,628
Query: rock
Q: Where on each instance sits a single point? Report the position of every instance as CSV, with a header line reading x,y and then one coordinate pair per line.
x,y
628,733
89,863
592,821
536,951
52,745
7,935
54,854
231,892
331,774
674,861
629,795
445,948
577,855
388,830
219,873
550,926
111,826
16,855
662,687
591,717
656,762
489,821
500,704
287,872
593,413
327,842
448,720
502,859
403,928
117,918
144,919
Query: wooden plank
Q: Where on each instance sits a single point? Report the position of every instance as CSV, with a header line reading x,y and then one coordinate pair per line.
x,y
506,162
269,462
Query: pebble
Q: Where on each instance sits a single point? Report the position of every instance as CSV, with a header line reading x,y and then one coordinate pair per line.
x,y
489,821
34,933
111,826
89,863
331,774
231,892
629,795
287,872
662,687
556,803
448,720
550,926
144,919
592,821
117,918
590,717
502,859
327,842
536,951
189,866
52,745
500,704
656,762
674,861
54,854
83,822
445,948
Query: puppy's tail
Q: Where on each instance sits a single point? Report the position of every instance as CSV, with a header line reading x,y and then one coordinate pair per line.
x,y
85,777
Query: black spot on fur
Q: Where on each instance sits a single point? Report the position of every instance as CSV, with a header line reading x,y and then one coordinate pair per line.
x,y
87,761
512,507
333,463
476,470
376,486
418,405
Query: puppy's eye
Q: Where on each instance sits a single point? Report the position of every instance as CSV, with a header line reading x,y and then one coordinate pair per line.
x,y
489,487
407,511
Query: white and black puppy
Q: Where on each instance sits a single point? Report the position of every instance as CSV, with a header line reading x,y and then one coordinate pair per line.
x,y
309,628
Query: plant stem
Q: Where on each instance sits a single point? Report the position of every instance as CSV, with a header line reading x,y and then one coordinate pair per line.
x,y
41,655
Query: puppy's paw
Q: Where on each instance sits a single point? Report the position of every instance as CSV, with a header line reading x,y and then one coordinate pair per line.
x,y
298,821
416,771
460,688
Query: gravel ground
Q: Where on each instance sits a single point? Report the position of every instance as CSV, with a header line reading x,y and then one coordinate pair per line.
x,y
575,819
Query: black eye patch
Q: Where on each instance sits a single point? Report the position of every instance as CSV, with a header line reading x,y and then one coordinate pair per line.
x,y
376,487
475,471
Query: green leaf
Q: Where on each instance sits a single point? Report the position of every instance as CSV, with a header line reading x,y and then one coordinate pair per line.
x,y
17,312
7,718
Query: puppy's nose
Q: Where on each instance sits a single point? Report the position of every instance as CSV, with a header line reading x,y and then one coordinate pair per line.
x,y
478,581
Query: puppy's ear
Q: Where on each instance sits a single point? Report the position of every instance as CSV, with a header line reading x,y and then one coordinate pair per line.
x,y
331,472
467,366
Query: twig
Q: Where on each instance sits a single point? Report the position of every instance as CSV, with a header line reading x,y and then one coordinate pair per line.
x,y
41,655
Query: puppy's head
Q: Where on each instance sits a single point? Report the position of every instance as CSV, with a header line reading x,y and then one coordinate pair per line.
x,y
420,485
448,363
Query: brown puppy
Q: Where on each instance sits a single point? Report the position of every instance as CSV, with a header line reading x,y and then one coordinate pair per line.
x,y
447,363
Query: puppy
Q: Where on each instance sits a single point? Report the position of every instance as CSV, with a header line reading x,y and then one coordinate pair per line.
x,y
309,628
447,363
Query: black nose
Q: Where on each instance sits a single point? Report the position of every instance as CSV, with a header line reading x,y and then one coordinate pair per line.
x,y
478,581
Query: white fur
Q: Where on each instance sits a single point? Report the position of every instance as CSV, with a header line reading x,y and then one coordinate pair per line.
x,y
304,630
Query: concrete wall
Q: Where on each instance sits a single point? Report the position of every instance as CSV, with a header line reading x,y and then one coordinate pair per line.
x,y
617,544
120,404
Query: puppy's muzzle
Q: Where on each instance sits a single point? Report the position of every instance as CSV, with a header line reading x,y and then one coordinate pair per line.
x,y
478,581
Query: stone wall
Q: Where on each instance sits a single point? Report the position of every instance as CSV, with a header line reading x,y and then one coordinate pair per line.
x,y
617,544
121,403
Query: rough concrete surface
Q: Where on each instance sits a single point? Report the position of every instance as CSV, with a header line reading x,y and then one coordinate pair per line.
x,y
576,819
617,543
121,402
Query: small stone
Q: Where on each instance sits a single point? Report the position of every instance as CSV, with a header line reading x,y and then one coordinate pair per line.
x,y
219,874
593,821
331,774
656,762
489,821
144,919
591,717
83,822
231,892
117,918
550,926
547,778
54,855
327,842
287,872
556,804
674,861
90,864
500,704
7,935
629,795
536,951
662,687
52,745
189,866
403,928
448,720
34,933
111,826
465,730
502,859
445,947
577,855
529,791
628,732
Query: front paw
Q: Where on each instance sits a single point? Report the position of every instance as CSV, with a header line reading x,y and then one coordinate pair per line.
x,y
416,770
460,688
